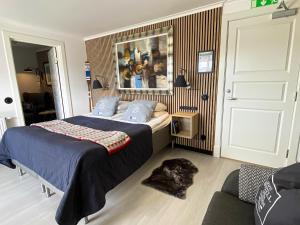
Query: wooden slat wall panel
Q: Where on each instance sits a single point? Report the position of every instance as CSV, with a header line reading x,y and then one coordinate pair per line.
x,y
193,33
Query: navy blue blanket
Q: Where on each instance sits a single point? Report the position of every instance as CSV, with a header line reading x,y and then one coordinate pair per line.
x,y
81,169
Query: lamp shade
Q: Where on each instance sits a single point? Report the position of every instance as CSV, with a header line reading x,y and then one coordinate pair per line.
x,y
97,84
180,81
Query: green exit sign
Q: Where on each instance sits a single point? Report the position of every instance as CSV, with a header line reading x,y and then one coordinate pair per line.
x,y
260,3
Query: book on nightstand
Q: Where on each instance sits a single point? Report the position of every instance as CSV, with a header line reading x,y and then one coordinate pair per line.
x,y
175,127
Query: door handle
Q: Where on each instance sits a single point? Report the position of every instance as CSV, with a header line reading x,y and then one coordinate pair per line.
x,y
231,99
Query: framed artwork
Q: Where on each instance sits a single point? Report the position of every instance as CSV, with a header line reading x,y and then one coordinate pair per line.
x,y
47,73
144,62
206,62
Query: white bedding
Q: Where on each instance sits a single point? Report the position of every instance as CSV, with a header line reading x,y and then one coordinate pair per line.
x,y
155,123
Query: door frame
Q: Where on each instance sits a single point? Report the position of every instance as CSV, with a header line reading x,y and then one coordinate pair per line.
x,y
8,37
227,18
294,146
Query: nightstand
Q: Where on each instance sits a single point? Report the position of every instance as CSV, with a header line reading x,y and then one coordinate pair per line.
x,y
184,125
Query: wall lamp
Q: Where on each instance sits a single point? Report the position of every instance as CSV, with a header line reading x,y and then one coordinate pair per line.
x,y
98,85
181,81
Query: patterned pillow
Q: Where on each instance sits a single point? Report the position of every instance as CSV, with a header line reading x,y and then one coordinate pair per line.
x,y
138,112
106,106
251,177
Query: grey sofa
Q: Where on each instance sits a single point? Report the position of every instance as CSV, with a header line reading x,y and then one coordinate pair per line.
x,y
226,208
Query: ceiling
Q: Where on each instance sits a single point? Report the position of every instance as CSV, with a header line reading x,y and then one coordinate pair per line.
x,y
88,17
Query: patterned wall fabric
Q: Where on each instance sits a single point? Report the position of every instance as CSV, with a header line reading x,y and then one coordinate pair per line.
x,y
193,33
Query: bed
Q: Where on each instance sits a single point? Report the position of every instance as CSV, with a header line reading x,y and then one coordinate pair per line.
x,y
160,128
82,170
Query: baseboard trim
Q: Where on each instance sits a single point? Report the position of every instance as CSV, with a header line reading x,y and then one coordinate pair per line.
x,y
217,151
202,151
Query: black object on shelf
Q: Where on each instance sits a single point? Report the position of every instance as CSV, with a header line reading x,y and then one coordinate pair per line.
x,y
175,126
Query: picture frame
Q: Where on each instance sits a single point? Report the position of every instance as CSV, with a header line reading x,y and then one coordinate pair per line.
x,y
144,62
206,61
47,74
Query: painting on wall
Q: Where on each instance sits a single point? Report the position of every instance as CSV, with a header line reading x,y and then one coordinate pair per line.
x,y
144,62
205,62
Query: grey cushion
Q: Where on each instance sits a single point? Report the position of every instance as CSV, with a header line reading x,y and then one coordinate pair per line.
x,y
106,106
231,184
138,112
151,104
225,209
277,201
251,178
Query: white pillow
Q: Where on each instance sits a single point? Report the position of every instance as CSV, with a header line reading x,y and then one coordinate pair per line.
x,y
160,107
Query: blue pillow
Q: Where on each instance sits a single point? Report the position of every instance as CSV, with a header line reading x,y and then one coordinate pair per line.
x,y
148,103
138,112
106,106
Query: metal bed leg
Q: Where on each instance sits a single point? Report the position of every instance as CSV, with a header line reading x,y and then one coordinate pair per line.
x,y
86,220
21,172
43,188
173,144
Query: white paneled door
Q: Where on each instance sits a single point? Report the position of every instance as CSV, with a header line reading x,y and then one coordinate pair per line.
x,y
260,88
56,83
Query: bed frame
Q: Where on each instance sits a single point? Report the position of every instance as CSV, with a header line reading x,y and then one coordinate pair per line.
x,y
160,140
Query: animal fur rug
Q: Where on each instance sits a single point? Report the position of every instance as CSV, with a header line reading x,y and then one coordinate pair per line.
x,y
173,177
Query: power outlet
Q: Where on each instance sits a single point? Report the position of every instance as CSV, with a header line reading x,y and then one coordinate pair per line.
x,y
189,108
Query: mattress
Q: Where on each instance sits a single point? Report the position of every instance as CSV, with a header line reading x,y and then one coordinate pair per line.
x,y
156,123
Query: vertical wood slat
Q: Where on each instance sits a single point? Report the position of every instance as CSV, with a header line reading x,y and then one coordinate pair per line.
x,y
193,33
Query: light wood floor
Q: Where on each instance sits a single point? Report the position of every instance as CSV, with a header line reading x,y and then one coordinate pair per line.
x,y
22,203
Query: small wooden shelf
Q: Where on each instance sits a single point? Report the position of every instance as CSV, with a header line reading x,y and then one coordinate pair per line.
x,y
188,124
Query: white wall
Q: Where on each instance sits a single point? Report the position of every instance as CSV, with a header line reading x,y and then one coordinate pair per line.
x,y
75,56
24,57
28,82
233,6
